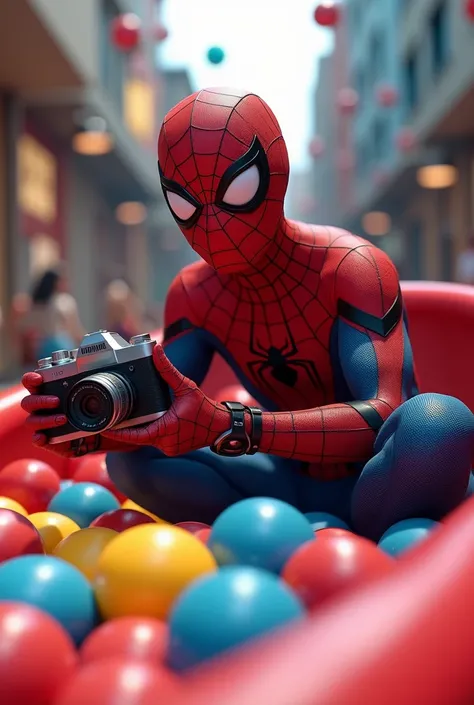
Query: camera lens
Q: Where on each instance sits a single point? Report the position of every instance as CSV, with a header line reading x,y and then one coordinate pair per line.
x,y
99,402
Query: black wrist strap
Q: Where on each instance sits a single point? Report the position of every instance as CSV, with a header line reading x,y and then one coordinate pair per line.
x,y
257,429
235,441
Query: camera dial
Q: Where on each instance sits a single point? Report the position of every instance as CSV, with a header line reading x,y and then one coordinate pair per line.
x,y
59,357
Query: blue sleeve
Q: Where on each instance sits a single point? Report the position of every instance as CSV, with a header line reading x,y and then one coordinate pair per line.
x,y
359,370
191,354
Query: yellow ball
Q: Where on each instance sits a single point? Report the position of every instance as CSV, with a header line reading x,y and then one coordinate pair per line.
x,y
144,569
83,548
7,503
128,504
53,528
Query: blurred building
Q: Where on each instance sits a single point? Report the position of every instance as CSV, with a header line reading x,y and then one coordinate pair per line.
x,y
79,120
412,66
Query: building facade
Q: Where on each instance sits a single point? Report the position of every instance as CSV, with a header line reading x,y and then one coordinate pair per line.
x,y
62,83
424,53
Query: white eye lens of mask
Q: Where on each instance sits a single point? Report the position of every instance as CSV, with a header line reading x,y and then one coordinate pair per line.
x,y
243,188
180,206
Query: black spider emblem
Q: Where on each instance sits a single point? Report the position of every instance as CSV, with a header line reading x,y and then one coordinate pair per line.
x,y
281,362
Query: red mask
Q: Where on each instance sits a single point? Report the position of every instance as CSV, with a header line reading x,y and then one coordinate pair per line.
x,y
224,172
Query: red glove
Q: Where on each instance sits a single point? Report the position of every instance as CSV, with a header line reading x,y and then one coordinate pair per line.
x,y
69,449
194,421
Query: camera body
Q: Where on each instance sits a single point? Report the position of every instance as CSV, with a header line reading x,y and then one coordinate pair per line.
x,y
106,383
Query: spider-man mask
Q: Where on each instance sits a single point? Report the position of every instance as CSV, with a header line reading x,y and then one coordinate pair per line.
x,y
224,171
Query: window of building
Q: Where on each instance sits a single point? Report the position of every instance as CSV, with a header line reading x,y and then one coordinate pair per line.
x,y
411,81
439,38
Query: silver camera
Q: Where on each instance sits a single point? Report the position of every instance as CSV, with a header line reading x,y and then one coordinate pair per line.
x,y
106,383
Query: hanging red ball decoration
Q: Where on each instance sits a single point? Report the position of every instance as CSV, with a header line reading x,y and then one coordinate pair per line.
x,y
469,10
125,32
347,101
405,140
316,147
160,33
327,14
386,95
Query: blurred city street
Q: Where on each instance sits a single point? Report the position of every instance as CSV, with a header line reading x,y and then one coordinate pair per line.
x,y
376,108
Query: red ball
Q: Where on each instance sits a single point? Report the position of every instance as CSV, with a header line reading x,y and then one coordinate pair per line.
x,y
115,680
193,526
347,101
327,14
469,9
125,32
140,638
94,469
122,519
32,483
37,657
203,535
18,536
324,568
386,95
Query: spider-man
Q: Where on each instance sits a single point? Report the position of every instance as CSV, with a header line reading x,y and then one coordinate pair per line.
x,y
311,320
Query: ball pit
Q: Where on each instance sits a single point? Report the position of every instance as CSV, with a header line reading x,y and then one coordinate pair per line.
x,y
83,502
171,597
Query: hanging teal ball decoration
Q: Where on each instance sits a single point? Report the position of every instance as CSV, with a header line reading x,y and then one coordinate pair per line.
x,y
215,55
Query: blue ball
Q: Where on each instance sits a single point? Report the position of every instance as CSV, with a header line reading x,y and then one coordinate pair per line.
x,y
53,586
83,502
215,55
226,609
259,532
322,520
405,534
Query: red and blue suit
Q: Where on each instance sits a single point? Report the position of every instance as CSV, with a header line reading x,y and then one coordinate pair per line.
x,y
310,319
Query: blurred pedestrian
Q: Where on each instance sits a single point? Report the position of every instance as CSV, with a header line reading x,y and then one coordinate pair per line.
x,y
465,263
53,315
124,310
